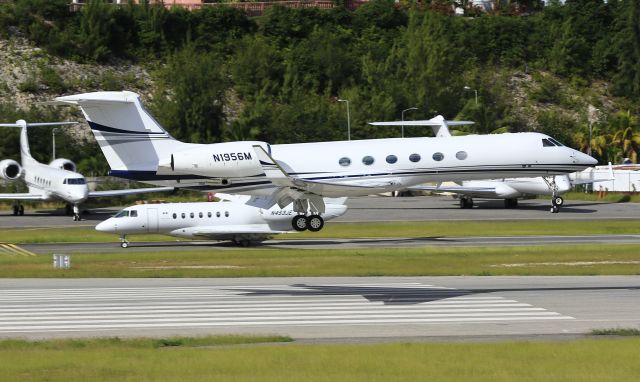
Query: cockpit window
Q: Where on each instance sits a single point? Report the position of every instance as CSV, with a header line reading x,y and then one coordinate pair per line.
x,y
555,141
547,143
122,214
74,181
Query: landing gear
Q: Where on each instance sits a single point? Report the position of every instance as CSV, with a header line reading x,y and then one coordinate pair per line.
x,y
123,241
315,223
18,209
511,203
76,213
466,202
556,201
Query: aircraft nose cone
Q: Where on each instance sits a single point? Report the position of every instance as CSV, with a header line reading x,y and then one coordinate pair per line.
x,y
585,159
105,226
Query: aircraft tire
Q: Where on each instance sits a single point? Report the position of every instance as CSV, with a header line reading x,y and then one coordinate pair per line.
x,y
299,223
558,201
124,244
15,210
21,210
315,223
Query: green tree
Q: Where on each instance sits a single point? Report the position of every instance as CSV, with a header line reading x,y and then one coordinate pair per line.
x,y
626,48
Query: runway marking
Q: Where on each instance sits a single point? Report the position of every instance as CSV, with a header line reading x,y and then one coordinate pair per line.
x,y
12,249
105,309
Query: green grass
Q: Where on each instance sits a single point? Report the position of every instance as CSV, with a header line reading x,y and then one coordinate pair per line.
x,y
360,230
584,360
611,197
437,261
625,332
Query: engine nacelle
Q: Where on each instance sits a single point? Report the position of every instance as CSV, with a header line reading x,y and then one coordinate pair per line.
x,y
64,164
10,169
216,160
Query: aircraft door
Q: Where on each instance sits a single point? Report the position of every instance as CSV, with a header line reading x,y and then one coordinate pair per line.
x,y
152,219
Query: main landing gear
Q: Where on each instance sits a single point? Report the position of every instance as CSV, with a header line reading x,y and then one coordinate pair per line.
x,y
466,202
18,209
556,200
313,223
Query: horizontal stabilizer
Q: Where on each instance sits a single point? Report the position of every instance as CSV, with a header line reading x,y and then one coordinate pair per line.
x,y
24,196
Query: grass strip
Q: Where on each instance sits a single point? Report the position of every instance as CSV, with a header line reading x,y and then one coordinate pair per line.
x,y
592,259
582,360
625,332
360,230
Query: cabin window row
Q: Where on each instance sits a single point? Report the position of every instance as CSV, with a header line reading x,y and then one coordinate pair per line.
x,y
391,159
192,215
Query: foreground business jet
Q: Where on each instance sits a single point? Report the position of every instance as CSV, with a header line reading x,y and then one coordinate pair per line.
x,y
226,220
137,147
57,180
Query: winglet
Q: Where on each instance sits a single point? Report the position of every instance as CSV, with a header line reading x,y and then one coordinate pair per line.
x,y
611,176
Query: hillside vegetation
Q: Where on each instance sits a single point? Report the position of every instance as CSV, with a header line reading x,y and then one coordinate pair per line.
x,y
215,74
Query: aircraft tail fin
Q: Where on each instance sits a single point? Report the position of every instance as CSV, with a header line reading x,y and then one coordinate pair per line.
x,y
25,152
127,134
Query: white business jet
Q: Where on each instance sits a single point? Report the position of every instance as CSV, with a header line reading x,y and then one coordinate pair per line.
x,y
57,180
137,147
509,189
226,220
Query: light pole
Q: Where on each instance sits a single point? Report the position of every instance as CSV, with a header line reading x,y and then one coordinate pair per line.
x,y
475,91
402,114
348,118
53,142
592,117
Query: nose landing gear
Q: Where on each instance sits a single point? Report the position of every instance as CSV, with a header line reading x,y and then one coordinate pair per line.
x,y
556,200
124,243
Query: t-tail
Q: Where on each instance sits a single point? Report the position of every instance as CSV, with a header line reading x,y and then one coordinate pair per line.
x,y
25,152
129,137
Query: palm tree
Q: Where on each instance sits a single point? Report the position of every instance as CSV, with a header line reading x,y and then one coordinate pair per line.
x,y
626,138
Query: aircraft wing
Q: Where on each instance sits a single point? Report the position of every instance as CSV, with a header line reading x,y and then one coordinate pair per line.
x,y
279,177
131,191
476,191
22,196
235,229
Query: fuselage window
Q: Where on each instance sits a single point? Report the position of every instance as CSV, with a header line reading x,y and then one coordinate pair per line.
x,y
414,158
368,160
134,214
191,215
218,214
183,215
209,214
438,157
462,155
344,161
547,143
200,215
391,159
175,216
226,214
556,142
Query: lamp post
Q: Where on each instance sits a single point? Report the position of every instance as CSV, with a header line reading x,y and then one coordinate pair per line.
x,y
402,114
348,118
53,142
475,91
592,117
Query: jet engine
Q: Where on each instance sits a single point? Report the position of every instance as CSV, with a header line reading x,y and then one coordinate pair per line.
x,y
64,164
216,160
10,169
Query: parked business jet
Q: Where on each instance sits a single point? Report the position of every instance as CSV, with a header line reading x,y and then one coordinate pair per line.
x,y
232,219
137,147
57,180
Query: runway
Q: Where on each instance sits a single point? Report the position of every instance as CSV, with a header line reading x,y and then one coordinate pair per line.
x,y
346,309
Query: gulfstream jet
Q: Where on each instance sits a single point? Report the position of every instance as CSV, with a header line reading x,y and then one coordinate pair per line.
x,y
57,180
137,147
